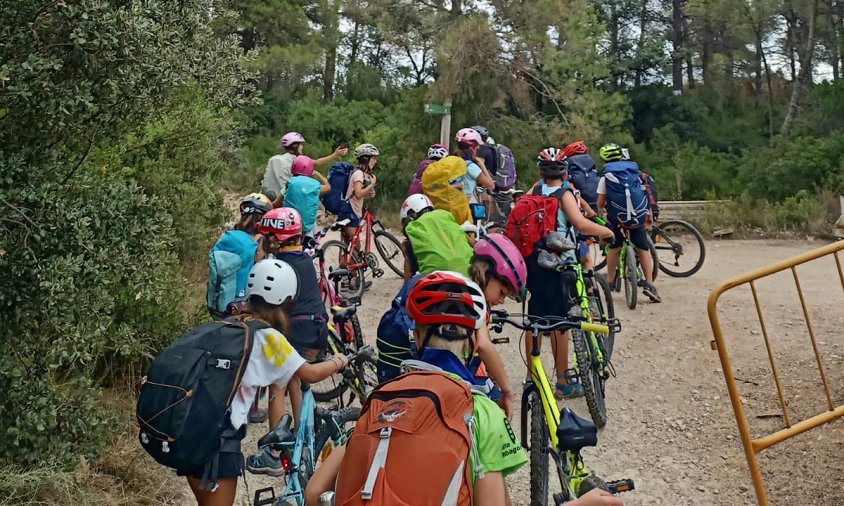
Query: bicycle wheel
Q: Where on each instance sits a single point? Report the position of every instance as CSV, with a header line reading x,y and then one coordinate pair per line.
x,y
631,280
390,250
606,310
654,258
591,377
540,450
682,246
338,256
345,416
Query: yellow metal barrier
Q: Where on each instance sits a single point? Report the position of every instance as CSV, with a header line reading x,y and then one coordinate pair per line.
x,y
753,446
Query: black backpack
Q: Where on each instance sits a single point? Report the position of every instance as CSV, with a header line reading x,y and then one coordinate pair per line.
x,y
184,400
584,176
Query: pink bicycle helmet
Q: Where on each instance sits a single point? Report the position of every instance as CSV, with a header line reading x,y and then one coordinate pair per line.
x,y
302,166
282,222
291,138
507,263
468,136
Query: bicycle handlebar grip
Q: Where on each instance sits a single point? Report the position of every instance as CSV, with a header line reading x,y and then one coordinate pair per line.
x,y
594,327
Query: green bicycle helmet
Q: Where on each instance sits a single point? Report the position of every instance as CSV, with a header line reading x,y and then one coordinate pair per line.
x,y
611,153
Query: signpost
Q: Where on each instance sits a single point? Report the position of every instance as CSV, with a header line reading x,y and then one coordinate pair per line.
x,y
443,109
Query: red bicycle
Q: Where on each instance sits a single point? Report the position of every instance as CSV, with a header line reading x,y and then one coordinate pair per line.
x,y
357,258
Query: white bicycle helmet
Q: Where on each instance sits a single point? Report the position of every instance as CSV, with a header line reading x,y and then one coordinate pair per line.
x,y
437,152
274,281
366,150
415,206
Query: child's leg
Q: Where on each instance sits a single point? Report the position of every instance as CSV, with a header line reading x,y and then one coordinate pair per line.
x,y
276,404
223,496
560,348
325,476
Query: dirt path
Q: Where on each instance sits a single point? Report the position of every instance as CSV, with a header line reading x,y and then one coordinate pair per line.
x,y
670,425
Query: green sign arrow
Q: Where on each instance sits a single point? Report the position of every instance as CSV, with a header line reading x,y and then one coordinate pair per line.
x,y
437,109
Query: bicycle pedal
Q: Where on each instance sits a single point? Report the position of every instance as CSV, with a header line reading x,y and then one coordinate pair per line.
x,y
572,374
377,273
259,501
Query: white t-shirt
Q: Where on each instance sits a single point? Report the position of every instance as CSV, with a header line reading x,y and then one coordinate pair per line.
x,y
277,174
273,361
602,186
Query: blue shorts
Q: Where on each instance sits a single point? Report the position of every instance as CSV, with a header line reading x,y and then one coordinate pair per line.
x,y
354,221
307,334
548,294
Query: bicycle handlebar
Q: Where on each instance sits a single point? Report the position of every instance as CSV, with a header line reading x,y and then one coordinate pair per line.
x,y
534,324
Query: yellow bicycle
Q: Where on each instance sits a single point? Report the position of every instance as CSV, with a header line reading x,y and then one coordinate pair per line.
x,y
548,433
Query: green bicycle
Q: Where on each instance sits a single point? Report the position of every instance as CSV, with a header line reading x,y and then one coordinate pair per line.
x,y
548,433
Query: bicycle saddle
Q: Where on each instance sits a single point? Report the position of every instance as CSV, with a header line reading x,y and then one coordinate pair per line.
x,y
341,314
339,225
575,433
335,274
280,435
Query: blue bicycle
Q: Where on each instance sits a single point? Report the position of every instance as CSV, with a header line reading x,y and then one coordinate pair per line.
x,y
300,452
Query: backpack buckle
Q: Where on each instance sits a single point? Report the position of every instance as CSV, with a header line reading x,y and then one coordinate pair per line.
x,y
223,363
165,447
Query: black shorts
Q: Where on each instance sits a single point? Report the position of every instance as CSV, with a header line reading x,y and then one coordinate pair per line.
x,y
306,334
638,236
548,295
230,463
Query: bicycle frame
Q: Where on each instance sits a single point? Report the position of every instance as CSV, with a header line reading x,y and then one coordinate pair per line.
x,y
586,310
368,221
570,469
358,390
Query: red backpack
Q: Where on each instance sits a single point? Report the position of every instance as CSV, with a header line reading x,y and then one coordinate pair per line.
x,y
532,218
411,445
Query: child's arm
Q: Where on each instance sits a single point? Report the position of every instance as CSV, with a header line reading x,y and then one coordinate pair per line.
x,y
325,188
575,217
489,490
318,372
495,367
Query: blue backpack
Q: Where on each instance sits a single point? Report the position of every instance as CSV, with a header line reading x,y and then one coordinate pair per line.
x,y
584,177
335,201
627,201
229,263
394,341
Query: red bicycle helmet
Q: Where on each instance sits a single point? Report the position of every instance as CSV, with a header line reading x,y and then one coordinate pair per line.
x,y
575,148
445,297
282,222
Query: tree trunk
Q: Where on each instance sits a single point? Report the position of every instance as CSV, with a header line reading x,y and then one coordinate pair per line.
x,y
706,51
643,26
614,51
331,32
833,39
805,71
757,74
677,42
690,70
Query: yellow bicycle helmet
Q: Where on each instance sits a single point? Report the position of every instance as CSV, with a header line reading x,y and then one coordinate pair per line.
x,y
611,153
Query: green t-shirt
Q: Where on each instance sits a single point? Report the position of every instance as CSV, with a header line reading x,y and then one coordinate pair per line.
x,y
498,448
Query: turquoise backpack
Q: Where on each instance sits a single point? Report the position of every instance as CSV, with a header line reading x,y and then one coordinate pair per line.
x,y
229,263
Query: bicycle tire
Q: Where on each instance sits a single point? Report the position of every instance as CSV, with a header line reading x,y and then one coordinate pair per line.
x,y
590,483
631,279
660,231
590,377
606,307
540,442
333,386
332,251
598,252
391,258
347,415
654,258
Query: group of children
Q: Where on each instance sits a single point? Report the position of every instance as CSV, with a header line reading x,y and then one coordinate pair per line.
x,y
448,304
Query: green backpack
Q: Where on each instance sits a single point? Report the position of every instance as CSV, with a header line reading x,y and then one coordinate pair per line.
x,y
439,243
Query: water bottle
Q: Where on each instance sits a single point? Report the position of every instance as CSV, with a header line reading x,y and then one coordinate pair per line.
x,y
326,499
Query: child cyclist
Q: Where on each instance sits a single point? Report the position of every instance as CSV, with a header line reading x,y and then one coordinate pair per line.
x,y
361,185
468,141
282,229
304,190
447,309
548,296
435,152
612,155
272,287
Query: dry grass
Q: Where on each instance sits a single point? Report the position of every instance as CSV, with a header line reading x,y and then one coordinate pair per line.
x,y
125,475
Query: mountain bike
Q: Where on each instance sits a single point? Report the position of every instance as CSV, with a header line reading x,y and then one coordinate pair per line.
x,y
350,256
685,244
546,432
600,249
300,452
629,271
358,378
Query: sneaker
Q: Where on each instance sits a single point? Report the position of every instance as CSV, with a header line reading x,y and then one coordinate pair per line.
x,y
257,415
570,391
615,284
264,463
650,292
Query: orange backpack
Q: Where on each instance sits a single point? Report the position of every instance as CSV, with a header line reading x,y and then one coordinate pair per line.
x,y
411,445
